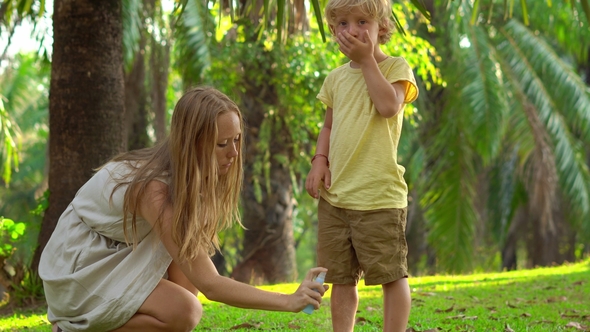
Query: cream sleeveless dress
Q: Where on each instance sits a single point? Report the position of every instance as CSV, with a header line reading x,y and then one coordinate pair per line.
x,y
93,281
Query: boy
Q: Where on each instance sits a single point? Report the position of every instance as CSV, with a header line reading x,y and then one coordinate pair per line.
x,y
362,211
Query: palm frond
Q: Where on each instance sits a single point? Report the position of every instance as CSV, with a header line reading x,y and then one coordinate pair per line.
x,y
569,92
193,42
449,203
483,95
530,64
132,25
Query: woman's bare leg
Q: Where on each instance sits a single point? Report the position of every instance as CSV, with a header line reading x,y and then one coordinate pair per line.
x,y
170,307
177,276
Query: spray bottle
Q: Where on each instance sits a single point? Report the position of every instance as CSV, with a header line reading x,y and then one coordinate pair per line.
x,y
320,278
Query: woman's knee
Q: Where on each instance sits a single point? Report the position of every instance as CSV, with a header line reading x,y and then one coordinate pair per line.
x,y
187,313
173,307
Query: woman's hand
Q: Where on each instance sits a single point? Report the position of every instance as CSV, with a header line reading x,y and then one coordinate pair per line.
x,y
308,292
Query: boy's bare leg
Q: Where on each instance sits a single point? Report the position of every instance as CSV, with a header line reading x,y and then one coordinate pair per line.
x,y
396,305
343,303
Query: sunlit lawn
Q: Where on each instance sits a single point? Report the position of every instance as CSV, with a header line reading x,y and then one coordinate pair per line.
x,y
544,299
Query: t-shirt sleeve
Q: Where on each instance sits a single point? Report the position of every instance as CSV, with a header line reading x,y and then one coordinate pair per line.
x,y
400,70
326,95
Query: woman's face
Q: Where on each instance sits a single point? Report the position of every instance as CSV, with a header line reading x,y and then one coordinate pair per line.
x,y
228,140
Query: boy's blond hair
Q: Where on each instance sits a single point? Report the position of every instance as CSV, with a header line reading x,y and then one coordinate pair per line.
x,y
379,10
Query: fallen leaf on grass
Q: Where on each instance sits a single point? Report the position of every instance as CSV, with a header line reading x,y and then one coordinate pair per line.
x,y
463,317
556,299
361,321
525,314
246,326
411,329
427,293
294,326
445,310
569,316
511,305
577,326
508,329
578,283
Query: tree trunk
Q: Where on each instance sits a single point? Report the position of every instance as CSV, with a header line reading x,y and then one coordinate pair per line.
x,y
136,102
159,61
550,248
268,253
515,233
86,100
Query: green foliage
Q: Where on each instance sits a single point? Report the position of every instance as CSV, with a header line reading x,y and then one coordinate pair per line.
x,y
10,145
10,232
16,10
27,291
25,86
508,93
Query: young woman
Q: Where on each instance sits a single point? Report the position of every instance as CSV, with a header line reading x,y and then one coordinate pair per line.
x,y
133,248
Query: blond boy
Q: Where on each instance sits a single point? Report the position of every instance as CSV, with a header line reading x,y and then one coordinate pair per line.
x,y
362,208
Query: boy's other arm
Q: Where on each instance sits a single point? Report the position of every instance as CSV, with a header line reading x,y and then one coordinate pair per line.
x,y
388,98
319,167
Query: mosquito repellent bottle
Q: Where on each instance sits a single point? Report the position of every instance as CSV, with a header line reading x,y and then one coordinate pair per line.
x,y
320,278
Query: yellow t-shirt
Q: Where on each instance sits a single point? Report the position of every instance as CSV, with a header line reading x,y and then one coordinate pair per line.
x,y
363,144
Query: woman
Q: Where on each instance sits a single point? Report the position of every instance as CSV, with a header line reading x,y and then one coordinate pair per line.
x,y
133,248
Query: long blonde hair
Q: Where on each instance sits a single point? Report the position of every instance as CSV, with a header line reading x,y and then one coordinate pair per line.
x,y
203,202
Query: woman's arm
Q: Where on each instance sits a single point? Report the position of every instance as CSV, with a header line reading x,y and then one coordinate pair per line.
x,y
203,274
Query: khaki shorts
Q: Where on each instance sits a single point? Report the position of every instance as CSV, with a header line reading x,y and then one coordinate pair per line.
x,y
351,242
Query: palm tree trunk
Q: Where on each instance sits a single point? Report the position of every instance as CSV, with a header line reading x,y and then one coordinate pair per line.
x,y
86,100
135,102
268,253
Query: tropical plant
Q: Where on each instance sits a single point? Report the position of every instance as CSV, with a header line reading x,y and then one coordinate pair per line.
x,y
514,107
24,83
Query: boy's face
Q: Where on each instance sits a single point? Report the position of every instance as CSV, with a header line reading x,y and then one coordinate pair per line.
x,y
355,22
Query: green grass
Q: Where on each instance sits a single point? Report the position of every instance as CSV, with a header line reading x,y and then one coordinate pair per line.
x,y
543,299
